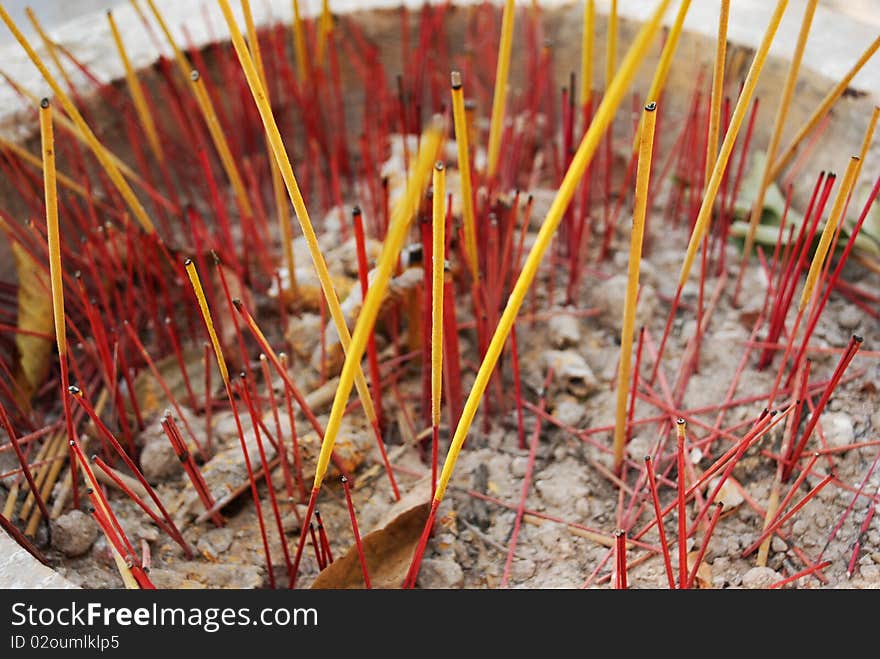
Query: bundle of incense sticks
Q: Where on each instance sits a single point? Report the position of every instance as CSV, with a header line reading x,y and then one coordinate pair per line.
x,y
169,233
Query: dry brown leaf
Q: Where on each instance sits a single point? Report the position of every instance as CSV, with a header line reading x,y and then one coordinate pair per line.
x,y
388,552
703,578
34,315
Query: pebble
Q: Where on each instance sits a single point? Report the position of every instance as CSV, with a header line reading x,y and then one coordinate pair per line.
x,y
849,317
215,542
563,331
569,411
519,465
440,573
573,371
760,577
869,572
159,462
838,429
778,544
73,533
609,297
638,447
522,569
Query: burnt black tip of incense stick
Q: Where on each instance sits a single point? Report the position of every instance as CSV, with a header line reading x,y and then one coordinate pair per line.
x,y
857,338
74,390
650,107
194,75
356,210
188,262
439,165
44,103
455,78
236,302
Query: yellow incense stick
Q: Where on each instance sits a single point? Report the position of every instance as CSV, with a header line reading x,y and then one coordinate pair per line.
x,y
53,238
464,170
438,243
399,226
604,114
496,127
866,142
96,147
778,127
193,275
589,40
209,114
278,193
73,130
299,205
299,44
611,45
325,28
820,112
717,88
49,45
665,64
646,148
701,226
137,94
830,225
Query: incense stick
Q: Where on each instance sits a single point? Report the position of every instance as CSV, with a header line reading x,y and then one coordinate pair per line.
x,y
646,147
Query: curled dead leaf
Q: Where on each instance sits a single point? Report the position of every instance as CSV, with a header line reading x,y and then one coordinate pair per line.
x,y
388,550
703,578
388,553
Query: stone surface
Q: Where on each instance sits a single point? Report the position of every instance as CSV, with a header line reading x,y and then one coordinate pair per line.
x,y
213,543
74,533
760,577
440,573
838,428
18,569
159,462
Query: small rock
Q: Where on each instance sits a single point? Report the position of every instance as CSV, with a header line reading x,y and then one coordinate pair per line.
x,y
778,544
159,462
638,447
564,331
440,573
609,297
522,569
838,429
869,572
74,533
760,577
215,542
573,371
569,411
849,317
518,466
291,522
